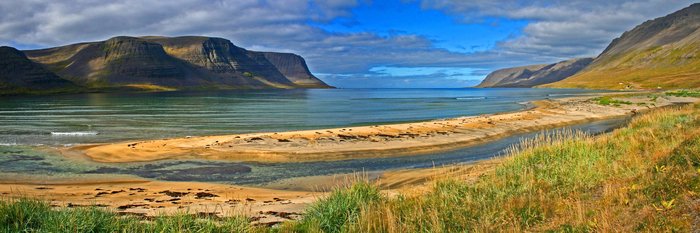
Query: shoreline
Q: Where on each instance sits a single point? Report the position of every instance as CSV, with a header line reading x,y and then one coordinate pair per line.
x,y
378,141
146,198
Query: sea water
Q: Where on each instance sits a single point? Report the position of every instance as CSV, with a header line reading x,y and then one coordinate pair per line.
x,y
30,126
109,117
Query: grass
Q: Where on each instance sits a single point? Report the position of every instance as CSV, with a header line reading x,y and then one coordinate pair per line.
x,y
644,177
607,100
684,93
29,215
668,67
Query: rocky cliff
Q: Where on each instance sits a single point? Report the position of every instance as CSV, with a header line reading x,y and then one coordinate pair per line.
x,y
190,62
18,74
659,53
533,75
294,68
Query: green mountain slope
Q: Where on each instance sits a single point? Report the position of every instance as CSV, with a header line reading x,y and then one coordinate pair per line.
x,y
660,53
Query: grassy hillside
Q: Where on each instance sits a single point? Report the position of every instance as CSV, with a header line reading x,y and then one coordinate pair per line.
x,y
666,67
659,53
644,177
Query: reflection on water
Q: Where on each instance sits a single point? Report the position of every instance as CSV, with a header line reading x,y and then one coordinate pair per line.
x,y
29,160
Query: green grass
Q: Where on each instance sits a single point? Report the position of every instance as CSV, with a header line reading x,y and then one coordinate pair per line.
x,y
684,93
28,215
607,100
338,209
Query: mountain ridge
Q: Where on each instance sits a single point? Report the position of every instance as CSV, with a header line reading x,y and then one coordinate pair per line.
x,y
18,73
533,75
186,62
659,53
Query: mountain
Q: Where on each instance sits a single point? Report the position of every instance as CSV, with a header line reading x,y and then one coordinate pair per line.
x,y
189,62
659,53
18,74
533,75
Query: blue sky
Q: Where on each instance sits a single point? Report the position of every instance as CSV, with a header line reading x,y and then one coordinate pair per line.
x,y
351,43
392,17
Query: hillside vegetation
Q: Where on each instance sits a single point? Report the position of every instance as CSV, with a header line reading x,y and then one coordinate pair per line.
x,y
660,53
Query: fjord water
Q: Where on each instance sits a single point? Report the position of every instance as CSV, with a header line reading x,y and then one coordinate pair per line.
x,y
108,117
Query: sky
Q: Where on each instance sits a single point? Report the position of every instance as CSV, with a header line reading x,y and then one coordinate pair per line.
x,y
354,43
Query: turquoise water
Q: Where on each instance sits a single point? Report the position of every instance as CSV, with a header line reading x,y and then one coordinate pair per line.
x,y
107,117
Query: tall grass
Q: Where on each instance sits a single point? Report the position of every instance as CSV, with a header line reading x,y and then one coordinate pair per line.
x,y
567,182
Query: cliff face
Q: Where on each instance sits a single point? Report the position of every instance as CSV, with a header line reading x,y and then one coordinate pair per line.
x,y
664,52
529,76
178,62
18,74
294,68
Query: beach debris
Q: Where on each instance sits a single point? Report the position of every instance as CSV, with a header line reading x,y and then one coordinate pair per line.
x,y
101,194
173,193
233,201
201,195
130,206
282,214
214,215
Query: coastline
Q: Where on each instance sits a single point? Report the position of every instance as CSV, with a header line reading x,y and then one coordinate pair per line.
x,y
378,141
287,199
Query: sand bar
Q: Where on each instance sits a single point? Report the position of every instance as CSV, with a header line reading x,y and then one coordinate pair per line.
x,y
372,141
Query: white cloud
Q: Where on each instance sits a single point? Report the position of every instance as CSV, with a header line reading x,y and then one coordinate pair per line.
x,y
557,30
562,29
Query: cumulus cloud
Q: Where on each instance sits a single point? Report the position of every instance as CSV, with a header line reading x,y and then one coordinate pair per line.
x,y
561,29
556,30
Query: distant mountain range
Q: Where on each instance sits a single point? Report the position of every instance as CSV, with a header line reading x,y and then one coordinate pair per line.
x,y
151,63
659,53
533,75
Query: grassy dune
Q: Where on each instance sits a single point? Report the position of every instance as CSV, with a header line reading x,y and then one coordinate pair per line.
x,y
644,177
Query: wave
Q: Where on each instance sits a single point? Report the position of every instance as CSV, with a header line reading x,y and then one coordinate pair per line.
x,y
87,133
471,98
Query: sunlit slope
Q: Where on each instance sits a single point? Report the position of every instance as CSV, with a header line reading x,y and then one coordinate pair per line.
x,y
660,53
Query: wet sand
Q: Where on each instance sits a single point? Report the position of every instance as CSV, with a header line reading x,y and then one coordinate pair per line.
x,y
370,141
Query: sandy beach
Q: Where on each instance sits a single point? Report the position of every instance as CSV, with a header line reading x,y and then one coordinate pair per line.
x,y
371,141
146,198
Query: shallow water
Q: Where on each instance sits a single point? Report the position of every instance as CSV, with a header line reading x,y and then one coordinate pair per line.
x,y
31,126
29,160
108,117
